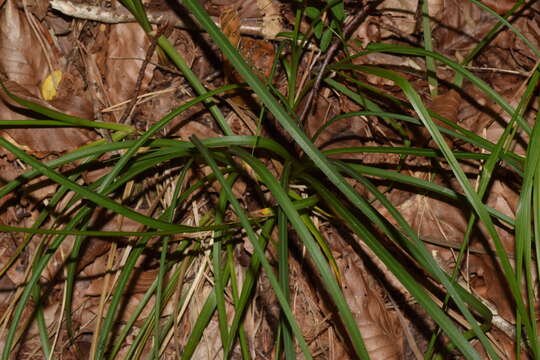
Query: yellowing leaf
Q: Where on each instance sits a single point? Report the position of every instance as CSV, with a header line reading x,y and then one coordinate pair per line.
x,y
50,85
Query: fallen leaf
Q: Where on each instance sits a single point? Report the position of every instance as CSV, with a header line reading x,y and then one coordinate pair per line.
x,y
49,86
22,59
126,49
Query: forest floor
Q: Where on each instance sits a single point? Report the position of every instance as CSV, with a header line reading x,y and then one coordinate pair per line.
x,y
91,60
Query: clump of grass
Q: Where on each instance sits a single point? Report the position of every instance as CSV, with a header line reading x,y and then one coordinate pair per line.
x,y
327,189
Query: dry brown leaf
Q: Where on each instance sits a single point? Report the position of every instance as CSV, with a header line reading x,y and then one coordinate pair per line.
x,y
7,286
71,97
500,6
434,219
25,66
50,315
458,26
488,282
139,282
94,276
230,25
244,9
22,59
400,15
349,130
37,7
447,105
378,326
445,224
219,4
258,53
126,49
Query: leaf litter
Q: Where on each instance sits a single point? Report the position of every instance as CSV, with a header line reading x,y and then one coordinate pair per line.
x,y
103,79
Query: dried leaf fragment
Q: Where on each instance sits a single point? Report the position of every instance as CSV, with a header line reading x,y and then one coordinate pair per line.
x,y
49,86
447,105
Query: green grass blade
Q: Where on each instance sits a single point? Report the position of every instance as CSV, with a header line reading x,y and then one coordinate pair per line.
x,y
83,191
136,7
64,118
248,285
351,221
511,158
458,79
163,257
423,256
536,223
96,197
283,267
219,281
423,184
524,219
105,331
313,249
42,325
480,84
29,288
470,193
202,321
506,23
431,67
258,248
181,148
242,337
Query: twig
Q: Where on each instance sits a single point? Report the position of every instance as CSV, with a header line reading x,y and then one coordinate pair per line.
x,y
121,15
347,31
